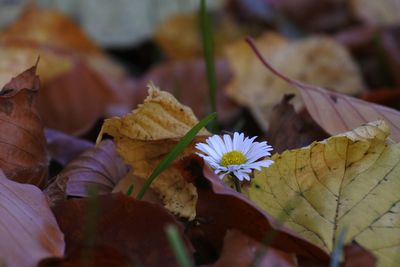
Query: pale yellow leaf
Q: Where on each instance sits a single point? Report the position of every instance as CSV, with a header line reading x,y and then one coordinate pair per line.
x,y
340,183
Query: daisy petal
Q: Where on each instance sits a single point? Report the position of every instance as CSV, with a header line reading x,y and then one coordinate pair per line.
x,y
228,142
208,150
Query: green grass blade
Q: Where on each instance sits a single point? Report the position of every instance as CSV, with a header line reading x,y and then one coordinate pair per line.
x,y
130,190
208,52
167,160
337,252
177,246
90,230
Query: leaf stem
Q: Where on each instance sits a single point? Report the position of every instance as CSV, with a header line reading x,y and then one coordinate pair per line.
x,y
169,158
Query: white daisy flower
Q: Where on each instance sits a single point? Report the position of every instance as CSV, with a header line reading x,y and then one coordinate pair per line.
x,y
237,156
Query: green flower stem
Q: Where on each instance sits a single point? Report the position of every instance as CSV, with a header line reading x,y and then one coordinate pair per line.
x,y
170,157
237,184
177,246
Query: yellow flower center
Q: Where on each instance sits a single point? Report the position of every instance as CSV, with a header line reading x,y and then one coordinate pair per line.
x,y
233,158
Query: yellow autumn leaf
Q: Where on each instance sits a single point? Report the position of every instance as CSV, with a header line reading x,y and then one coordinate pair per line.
x,y
144,136
349,181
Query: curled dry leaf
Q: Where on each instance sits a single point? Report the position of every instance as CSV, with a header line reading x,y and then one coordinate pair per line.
x,y
100,167
377,12
220,208
79,82
23,155
240,250
350,181
28,229
289,129
130,229
328,64
187,81
335,112
144,136
63,148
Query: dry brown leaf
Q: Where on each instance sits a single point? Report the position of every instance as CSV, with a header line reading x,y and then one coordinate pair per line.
x,y
28,229
100,167
384,12
63,148
79,82
318,60
49,28
144,136
189,45
128,229
187,81
337,113
289,129
240,250
23,155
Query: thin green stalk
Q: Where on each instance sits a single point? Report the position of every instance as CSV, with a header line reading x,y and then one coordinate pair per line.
x,y
177,246
90,228
208,53
130,190
169,158
237,184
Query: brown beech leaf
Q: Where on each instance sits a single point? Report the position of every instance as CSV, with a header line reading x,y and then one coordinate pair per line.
x,y
28,229
390,38
220,208
134,229
80,83
355,255
240,250
23,155
337,113
187,81
289,129
103,256
63,148
100,167
389,97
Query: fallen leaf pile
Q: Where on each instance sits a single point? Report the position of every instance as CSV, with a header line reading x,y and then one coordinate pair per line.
x,y
83,127
66,55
